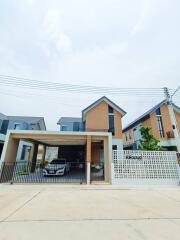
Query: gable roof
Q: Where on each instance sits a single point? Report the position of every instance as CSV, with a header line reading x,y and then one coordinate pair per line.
x,y
25,119
146,114
108,101
68,119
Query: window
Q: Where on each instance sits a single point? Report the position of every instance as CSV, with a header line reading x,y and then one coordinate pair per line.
x,y
76,126
158,112
110,109
111,120
4,126
63,128
160,126
126,137
159,122
111,124
17,126
25,152
114,147
33,126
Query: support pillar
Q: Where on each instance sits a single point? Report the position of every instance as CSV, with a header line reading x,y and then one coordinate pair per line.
x,y
34,157
8,158
106,160
88,160
44,155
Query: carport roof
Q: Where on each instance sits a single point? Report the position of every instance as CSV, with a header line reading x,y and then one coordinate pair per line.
x,y
57,138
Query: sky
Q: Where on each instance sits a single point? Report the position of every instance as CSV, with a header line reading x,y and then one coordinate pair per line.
x,y
113,43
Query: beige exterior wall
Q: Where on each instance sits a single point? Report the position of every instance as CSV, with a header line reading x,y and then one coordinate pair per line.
x,y
177,116
96,152
97,120
166,120
117,124
152,123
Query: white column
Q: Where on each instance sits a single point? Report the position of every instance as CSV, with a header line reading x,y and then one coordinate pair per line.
x,y
88,172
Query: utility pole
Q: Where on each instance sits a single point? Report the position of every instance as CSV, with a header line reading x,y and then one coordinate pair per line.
x,y
172,116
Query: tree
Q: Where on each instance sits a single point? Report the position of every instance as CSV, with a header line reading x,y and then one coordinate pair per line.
x,y
148,142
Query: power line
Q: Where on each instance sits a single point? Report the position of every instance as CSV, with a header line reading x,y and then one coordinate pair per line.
x,y
54,86
52,97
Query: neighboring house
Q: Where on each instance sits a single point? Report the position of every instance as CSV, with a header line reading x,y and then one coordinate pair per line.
x,y
2,131
158,119
71,124
20,123
101,116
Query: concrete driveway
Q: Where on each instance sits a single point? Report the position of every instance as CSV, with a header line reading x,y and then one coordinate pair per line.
x,y
94,212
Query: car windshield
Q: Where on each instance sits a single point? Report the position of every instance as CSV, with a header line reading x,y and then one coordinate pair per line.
x,y
58,161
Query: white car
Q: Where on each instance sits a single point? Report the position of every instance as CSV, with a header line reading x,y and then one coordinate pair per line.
x,y
57,167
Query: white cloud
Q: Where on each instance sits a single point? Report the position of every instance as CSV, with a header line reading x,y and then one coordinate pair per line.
x,y
54,39
146,6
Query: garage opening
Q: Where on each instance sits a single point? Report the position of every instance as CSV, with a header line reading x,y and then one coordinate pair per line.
x,y
61,164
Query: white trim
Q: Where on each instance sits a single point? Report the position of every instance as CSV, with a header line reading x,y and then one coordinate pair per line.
x,y
110,158
56,133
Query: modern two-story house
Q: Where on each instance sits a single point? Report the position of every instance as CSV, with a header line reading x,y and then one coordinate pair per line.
x,y
84,143
158,119
20,123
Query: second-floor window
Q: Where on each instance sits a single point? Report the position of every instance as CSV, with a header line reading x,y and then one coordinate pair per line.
x,y
159,122
111,119
17,126
63,128
76,126
126,137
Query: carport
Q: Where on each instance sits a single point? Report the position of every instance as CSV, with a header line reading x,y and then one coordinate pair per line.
x,y
79,148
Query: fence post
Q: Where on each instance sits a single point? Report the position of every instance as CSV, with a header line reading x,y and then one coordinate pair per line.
x,y
112,173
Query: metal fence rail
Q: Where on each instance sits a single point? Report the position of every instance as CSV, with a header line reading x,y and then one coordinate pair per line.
x,y
26,172
145,167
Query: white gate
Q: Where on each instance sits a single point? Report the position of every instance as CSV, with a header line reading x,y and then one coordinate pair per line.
x,y
144,167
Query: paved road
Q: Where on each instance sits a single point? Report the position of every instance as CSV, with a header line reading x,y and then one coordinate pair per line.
x,y
97,212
